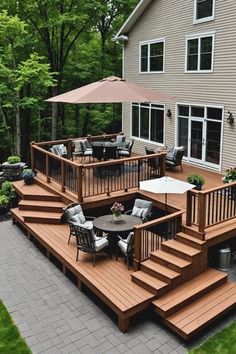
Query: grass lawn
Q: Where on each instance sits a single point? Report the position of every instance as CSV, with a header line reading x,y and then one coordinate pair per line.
x,y
10,340
223,342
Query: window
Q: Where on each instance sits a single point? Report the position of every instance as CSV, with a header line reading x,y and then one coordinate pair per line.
x,y
152,56
148,122
204,10
199,53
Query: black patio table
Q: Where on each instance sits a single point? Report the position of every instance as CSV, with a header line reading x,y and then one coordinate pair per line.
x,y
106,224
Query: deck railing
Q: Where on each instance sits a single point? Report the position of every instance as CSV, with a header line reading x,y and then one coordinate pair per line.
x,y
211,207
93,179
150,235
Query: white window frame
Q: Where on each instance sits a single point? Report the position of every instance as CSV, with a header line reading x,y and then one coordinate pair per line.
x,y
139,105
204,19
199,36
153,41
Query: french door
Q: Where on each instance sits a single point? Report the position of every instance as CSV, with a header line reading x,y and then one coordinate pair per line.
x,y
200,132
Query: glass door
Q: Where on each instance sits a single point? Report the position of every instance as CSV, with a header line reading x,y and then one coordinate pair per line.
x,y
196,140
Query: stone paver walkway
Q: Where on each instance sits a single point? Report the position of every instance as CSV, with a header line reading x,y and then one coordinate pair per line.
x,y
55,317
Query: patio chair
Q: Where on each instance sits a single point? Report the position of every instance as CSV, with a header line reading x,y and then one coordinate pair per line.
x,y
120,139
110,153
98,152
77,148
174,158
88,241
126,246
153,163
142,209
75,217
59,150
126,151
86,149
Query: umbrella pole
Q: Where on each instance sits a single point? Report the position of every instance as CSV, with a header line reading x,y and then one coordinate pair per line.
x,y
165,203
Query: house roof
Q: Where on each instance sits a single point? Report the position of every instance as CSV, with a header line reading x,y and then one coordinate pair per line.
x,y
137,12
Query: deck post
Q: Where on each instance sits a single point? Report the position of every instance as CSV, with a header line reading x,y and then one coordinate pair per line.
x,y
201,213
188,208
69,148
123,324
79,181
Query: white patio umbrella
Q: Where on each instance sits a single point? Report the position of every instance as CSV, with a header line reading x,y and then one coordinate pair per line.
x,y
165,185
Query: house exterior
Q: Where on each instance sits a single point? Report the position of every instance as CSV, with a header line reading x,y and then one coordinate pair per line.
x,y
185,48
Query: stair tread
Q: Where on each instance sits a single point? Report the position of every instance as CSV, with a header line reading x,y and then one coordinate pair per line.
x,y
171,258
187,289
40,214
32,189
202,311
149,279
191,251
45,203
156,267
191,238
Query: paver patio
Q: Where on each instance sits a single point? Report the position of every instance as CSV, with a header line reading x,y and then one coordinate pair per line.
x,y
55,317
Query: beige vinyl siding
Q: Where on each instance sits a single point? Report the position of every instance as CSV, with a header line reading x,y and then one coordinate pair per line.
x,y
173,20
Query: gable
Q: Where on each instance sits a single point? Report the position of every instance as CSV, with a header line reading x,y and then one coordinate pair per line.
x,y
132,19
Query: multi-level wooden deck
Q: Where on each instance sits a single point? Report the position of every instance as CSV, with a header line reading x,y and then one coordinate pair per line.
x,y
174,280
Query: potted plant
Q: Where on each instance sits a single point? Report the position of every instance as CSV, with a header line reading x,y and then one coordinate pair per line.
x,y
12,168
13,159
229,177
28,176
116,210
197,180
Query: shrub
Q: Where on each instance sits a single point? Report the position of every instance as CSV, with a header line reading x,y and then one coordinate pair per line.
x,y
229,175
8,189
4,201
195,178
13,159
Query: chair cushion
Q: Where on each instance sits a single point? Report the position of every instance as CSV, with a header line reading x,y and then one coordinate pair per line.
x,y
130,235
138,211
77,145
123,246
76,214
100,243
176,149
62,150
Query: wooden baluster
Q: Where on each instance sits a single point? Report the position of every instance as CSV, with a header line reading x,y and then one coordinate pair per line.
x,y
80,182
189,208
62,176
162,165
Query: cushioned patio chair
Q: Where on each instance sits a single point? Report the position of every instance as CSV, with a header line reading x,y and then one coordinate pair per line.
x,y
153,163
77,150
142,209
59,150
126,246
120,139
86,149
88,241
174,158
75,217
126,151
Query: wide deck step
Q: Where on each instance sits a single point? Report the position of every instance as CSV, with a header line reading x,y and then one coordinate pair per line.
x,y
189,292
40,217
41,205
158,271
34,192
199,314
180,250
150,283
169,260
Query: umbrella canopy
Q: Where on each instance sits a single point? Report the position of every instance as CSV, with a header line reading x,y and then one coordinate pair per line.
x,y
166,185
111,90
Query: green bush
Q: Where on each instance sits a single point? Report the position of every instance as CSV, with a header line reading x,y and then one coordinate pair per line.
x,y
13,159
4,201
8,189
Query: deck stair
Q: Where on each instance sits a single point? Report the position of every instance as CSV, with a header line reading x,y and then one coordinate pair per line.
x,y
196,303
39,205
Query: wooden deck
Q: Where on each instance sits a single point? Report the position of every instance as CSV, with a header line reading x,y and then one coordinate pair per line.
x,y
126,292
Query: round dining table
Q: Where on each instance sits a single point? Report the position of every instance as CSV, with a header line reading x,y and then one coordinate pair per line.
x,y
106,224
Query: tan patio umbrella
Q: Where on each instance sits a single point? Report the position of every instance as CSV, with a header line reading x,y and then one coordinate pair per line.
x,y
111,90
